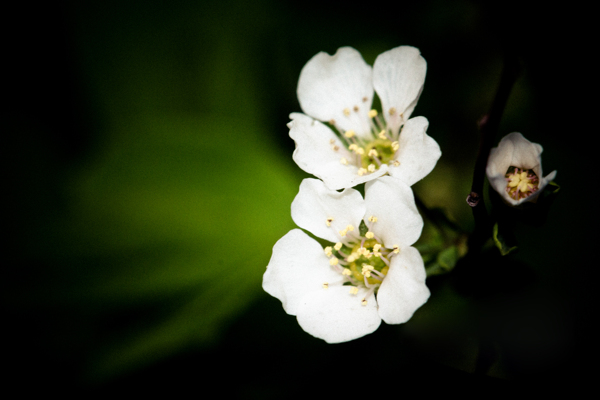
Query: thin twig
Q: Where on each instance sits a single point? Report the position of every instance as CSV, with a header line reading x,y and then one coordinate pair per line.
x,y
488,128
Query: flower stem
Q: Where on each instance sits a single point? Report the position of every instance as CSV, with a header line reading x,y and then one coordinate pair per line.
x,y
488,128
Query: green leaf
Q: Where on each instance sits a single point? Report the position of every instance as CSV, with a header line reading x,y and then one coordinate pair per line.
x,y
502,243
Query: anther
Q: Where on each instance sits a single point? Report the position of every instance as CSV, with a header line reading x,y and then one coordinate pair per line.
x,y
372,218
392,111
328,221
395,146
396,163
373,153
372,113
382,135
347,112
364,302
338,246
396,249
353,290
355,108
362,171
369,235
343,161
371,168
333,261
346,272
350,133
328,251
325,285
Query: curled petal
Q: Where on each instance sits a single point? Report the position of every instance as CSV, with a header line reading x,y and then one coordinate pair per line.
x,y
297,268
338,88
336,316
418,152
514,150
325,212
398,78
403,291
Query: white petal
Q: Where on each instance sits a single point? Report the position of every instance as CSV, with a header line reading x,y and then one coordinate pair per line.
x,y
314,154
398,78
328,85
336,316
393,203
514,150
315,204
418,152
403,290
298,267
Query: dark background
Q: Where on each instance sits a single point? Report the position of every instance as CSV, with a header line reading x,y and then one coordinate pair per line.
x,y
149,174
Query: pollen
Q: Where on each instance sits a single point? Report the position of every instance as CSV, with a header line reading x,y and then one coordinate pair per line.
x,y
395,146
338,246
369,235
372,113
396,249
343,161
355,108
382,135
325,285
346,272
373,153
350,133
364,302
392,111
353,290
372,218
347,112
328,221
521,183
328,251
362,171
333,261
396,163
350,228
371,168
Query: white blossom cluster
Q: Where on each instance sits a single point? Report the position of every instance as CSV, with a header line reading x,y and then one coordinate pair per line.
x,y
370,272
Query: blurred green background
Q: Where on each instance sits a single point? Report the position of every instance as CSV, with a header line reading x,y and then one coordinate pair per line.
x,y
149,174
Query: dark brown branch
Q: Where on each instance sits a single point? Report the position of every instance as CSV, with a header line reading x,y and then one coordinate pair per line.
x,y
488,128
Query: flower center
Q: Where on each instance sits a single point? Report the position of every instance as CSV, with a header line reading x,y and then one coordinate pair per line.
x,y
372,152
521,183
362,261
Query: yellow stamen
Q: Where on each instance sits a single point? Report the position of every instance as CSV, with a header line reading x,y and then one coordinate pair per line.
x,y
372,113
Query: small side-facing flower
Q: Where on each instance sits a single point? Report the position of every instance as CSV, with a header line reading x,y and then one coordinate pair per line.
x,y
514,169
364,143
342,292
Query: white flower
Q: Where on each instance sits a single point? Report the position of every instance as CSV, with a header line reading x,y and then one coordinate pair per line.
x,y
514,169
342,292
338,90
